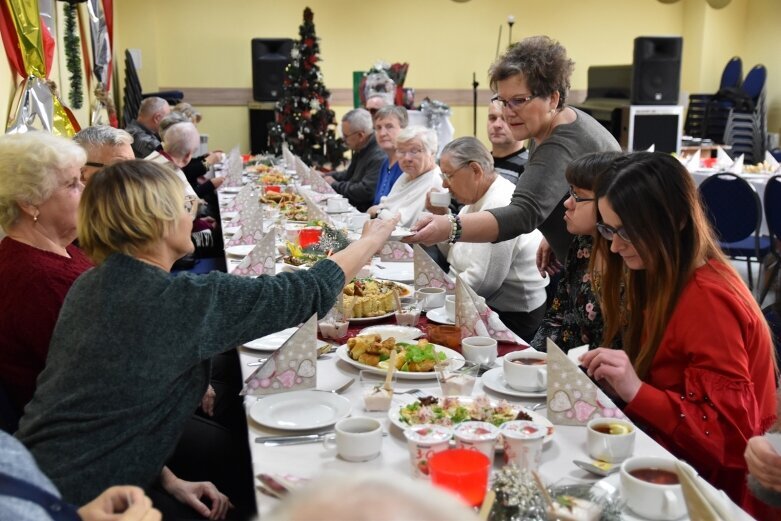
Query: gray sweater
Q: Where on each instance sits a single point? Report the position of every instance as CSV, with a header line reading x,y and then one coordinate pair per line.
x,y
128,363
540,191
359,181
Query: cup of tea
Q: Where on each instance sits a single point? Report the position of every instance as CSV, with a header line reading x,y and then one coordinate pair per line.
x,y
522,441
479,349
479,436
450,307
439,199
526,370
462,471
356,439
610,439
423,441
651,488
432,298
337,204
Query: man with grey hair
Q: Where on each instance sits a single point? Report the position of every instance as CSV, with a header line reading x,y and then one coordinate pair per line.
x,y
378,100
145,128
359,181
105,146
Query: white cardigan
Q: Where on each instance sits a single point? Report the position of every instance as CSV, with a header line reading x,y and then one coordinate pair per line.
x,y
504,273
408,196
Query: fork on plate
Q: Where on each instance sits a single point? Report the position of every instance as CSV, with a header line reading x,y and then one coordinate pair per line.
x,y
415,392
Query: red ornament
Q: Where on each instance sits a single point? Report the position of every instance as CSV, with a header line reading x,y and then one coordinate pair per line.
x,y
289,128
306,114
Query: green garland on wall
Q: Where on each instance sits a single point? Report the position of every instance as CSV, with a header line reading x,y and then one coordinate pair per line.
x,y
73,55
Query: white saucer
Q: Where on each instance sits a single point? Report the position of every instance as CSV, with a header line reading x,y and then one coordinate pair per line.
x,y
337,212
230,230
231,189
395,271
493,379
229,216
439,315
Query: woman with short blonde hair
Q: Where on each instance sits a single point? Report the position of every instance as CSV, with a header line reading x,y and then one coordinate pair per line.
x,y
130,328
40,188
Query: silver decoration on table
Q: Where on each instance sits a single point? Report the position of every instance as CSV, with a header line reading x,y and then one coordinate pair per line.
x,y
436,113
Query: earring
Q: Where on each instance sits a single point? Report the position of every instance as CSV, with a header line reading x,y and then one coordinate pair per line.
x,y
35,217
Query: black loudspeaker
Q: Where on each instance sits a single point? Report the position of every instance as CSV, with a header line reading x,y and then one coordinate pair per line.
x,y
656,70
270,56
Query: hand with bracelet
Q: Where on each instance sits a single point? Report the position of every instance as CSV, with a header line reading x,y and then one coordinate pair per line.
x,y
431,229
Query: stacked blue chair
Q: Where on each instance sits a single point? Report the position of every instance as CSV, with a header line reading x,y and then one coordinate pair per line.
x,y
746,130
735,212
706,116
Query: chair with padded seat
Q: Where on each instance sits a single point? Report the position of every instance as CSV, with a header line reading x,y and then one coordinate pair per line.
x,y
735,212
772,208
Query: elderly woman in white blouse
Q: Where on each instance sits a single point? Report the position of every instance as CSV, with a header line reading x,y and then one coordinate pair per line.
x,y
504,273
416,148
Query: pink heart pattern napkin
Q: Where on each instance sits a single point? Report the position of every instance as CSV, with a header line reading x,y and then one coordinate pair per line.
x,y
475,318
303,172
233,168
242,199
573,399
251,232
316,212
261,260
292,367
395,251
319,184
428,274
290,159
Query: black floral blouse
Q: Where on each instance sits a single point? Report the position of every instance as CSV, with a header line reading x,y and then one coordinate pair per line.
x,y
574,317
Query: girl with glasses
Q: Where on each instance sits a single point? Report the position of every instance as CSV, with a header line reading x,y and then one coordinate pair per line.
x,y
574,317
697,369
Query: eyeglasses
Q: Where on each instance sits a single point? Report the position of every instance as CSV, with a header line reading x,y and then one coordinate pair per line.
x,y
578,199
413,152
96,165
448,177
608,232
351,134
513,103
191,204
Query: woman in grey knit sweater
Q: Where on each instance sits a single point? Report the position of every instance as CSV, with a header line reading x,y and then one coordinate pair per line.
x,y
128,361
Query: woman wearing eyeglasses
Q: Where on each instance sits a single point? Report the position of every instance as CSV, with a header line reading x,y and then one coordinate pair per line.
x,y
531,81
40,188
129,358
416,149
574,317
697,369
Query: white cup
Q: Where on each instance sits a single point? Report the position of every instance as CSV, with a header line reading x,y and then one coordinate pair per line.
x,y
385,214
423,441
652,500
432,298
479,349
439,199
450,307
526,377
356,439
522,441
291,231
357,220
479,436
337,204
610,439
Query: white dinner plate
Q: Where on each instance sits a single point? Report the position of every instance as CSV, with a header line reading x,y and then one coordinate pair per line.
x,y
271,342
366,320
239,250
395,417
300,410
400,333
343,353
230,189
439,315
494,379
230,230
338,212
395,271
228,216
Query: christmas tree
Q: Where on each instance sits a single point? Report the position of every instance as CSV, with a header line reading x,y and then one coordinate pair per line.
x,y
304,119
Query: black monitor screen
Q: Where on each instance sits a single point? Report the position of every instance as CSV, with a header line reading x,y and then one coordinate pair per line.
x,y
656,129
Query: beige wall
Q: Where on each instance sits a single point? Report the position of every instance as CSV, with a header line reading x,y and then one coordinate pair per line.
x,y
206,43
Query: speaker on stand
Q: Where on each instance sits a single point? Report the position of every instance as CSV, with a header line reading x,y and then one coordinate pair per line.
x,y
270,57
656,70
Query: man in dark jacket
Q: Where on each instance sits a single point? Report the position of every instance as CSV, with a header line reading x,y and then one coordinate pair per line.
x,y
359,181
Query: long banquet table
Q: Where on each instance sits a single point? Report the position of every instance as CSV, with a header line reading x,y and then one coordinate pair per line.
x,y
312,460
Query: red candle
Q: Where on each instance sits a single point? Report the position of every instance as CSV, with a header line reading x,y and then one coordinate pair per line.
x,y
309,236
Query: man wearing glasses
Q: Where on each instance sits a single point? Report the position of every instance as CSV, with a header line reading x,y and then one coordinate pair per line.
x,y
359,181
105,146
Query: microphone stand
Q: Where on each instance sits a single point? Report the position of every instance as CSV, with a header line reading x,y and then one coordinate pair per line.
x,y
510,22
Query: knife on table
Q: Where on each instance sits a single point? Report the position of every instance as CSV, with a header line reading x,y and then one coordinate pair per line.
x,y
273,441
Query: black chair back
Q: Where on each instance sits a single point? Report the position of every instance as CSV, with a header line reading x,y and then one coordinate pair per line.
x,y
9,414
732,205
772,206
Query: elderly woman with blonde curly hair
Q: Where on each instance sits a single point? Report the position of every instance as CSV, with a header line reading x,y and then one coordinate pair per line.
x,y
40,189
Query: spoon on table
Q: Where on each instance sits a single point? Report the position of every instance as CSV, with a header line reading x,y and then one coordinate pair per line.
x,y
599,468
